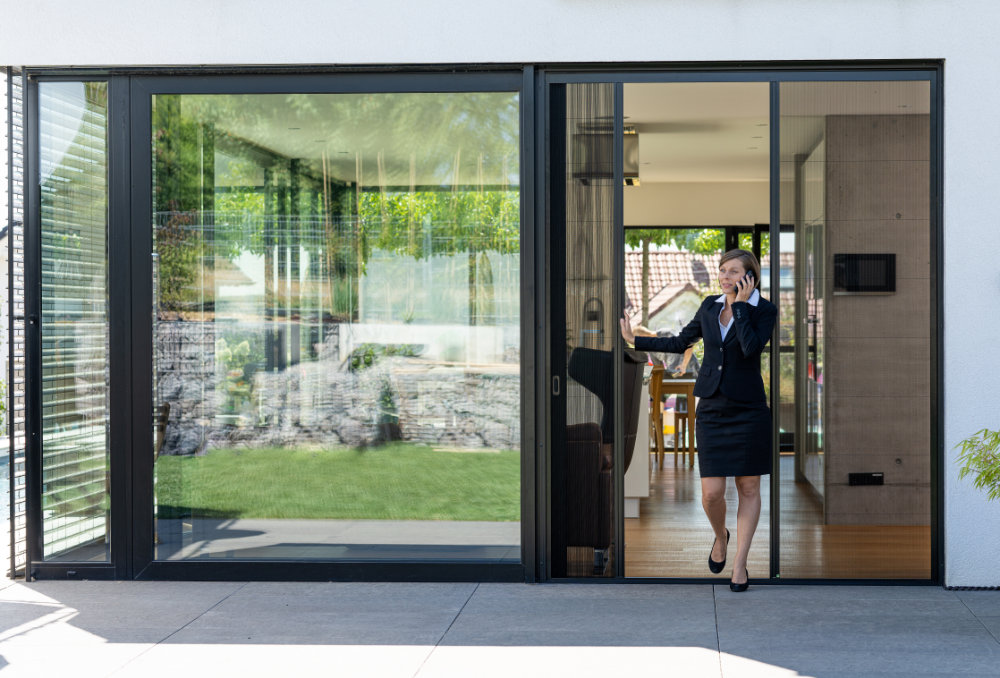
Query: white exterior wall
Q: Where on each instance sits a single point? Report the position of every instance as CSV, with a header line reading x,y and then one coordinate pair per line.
x,y
962,32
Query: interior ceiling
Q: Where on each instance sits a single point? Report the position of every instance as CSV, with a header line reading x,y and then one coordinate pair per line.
x,y
700,132
719,132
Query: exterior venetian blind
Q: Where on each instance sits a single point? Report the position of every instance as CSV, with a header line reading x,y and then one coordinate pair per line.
x,y
14,374
74,319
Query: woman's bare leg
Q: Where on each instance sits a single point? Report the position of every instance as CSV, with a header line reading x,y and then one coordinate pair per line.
x,y
747,516
713,500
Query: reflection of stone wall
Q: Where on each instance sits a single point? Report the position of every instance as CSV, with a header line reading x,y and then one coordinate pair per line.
x,y
185,378
323,403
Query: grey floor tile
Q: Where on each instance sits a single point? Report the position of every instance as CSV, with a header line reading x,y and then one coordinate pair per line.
x,y
832,673
653,616
16,614
371,596
992,624
737,666
815,595
981,602
301,661
800,615
345,628
131,594
516,596
847,656
358,614
874,635
98,661
548,662
163,606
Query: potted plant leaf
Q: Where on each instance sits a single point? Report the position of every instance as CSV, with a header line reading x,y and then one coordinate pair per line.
x,y
980,457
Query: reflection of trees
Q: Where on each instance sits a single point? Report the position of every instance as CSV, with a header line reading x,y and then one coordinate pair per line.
x,y
178,246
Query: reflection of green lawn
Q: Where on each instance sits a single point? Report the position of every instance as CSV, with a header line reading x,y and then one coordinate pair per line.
x,y
394,482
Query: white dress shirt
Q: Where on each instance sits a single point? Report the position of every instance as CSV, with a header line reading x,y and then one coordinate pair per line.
x,y
724,328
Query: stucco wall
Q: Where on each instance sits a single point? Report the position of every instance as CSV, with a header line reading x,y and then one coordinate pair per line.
x,y
81,32
439,31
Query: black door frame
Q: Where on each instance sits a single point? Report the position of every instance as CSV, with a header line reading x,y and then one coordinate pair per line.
x,y
812,72
129,205
119,273
144,566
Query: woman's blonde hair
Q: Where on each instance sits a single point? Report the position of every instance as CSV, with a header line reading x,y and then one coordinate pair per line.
x,y
749,261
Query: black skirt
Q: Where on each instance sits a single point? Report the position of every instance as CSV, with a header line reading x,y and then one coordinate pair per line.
x,y
734,438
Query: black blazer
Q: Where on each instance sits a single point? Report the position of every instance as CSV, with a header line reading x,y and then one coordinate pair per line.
x,y
730,367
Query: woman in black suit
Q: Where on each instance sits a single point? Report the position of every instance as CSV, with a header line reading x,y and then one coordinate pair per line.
x,y
733,422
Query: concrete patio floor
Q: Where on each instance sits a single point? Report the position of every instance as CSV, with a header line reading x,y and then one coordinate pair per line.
x,y
84,629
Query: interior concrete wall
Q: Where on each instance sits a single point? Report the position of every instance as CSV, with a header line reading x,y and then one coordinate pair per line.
x,y
877,365
961,32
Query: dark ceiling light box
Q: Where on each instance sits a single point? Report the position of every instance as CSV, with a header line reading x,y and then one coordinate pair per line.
x,y
593,150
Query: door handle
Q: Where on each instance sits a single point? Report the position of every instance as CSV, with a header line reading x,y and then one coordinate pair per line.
x,y
555,385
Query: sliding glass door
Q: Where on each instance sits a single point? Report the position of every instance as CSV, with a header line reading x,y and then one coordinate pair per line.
x,y
829,181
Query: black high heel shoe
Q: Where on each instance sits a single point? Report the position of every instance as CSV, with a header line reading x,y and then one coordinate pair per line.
x,y
740,588
715,567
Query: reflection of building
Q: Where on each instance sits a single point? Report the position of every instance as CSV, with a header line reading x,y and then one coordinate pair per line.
x,y
677,283
363,187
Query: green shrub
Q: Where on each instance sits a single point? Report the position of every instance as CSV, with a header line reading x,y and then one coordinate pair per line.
x,y
980,456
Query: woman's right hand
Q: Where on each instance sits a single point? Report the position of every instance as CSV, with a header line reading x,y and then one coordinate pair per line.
x,y
627,333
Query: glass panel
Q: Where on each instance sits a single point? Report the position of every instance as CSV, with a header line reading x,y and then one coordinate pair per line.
x,y
337,326
73,122
786,326
704,172
584,526
855,181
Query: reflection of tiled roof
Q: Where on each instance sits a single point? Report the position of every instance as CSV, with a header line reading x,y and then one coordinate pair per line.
x,y
671,273
667,268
